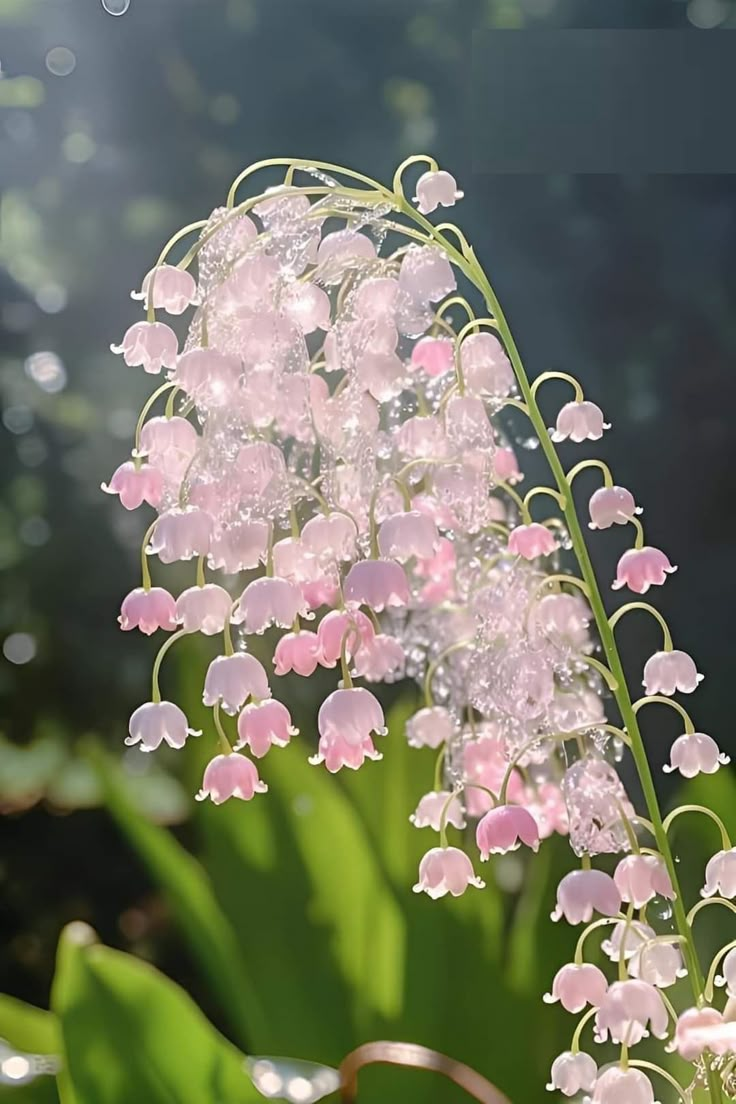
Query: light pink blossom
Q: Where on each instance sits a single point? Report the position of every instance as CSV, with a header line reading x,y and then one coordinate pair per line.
x,y
412,533
240,546
429,727
265,724
668,672
627,1012
623,1086
434,355
352,714
531,541
720,875
639,878
335,752
579,421
148,610
575,986
181,534
378,584
267,602
380,659
583,892
297,651
229,776
169,445
135,484
700,1029
231,680
431,807
573,1073
331,537
611,506
695,753
504,828
209,377
172,289
151,345
446,870
426,274
204,609
640,568
342,629
486,369
154,722
436,189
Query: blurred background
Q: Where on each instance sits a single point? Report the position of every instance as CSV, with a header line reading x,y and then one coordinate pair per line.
x,y
118,124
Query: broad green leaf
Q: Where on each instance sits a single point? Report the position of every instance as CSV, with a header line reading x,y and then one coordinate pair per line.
x,y
32,1031
188,889
130,1034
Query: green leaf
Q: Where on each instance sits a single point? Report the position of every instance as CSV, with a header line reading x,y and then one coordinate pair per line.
x,y
32,1031
189,892
130,1034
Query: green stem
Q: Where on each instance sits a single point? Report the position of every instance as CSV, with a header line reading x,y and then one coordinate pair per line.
x,y
614,619
155,689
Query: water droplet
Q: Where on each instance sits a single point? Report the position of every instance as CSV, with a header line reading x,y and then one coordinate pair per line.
x,y
661,908
116,7
61,61
19,648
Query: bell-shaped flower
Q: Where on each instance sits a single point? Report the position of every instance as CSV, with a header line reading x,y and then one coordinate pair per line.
x,y
504,829
342,630
378,584
573,1073
446,870
506,466
266,602
228,776
531,541
169,288
623,1086
352,714
210,378
430,727
204,609
695,753
265,724
436,189
432,807
240,546
466,423
700,1029
579,421
639,878
434,355
720,875
342,250
154,722
486,369
583,892
331,537
426,274
727,976
611,506
181,534
231,680
575,986
626,939
308,306
136,484
412,533
297,651
151,345
627,1012
640,568
169,444
660,964
335,752
668,672
148,610
380,659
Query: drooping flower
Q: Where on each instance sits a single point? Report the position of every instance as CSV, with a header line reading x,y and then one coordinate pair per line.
x,y
611,506
720,875
436,189
432,807
136,484
576,986
639,878
579,421
148,610
265,724
181,534
446,870
402,536
700,1029
640,568
693,753
150,345
352,714
169,288
628,1010
380,659
342,630
297,651
378,584
155,722
267,602
204,609
583,892
623,1086
531,541
231,680
668,672
504,829
429,727
229,776
573,1073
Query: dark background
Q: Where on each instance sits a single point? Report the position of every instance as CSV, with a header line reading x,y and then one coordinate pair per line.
x,y
626,281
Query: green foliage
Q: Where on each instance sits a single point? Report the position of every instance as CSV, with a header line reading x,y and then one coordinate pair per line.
x,y
32,1031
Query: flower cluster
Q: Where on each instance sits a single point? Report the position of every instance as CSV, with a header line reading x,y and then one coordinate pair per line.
x,y
334,457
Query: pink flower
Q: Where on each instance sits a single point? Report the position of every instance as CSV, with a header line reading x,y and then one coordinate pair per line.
x,y
628,1009
156,721
430,727
506,466
531,541
204,609
136,485
380,659
667,672
267,602
446,870
466,423
240,546
580,421
639,878
169,444
291,560
412,533
428,813
426,275
297,651
211,378
611,506
582,892
439,571
504,828
352,714
573,1073
342,628
153,345
486,368
720,875
331,537
181,534
640,568
434,355
700,1029
658,963
575,986
228,776
233,679
336,753
148,610
378,584
341,250
623,1086
264,725
308,306
694,753
173,289
436,189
